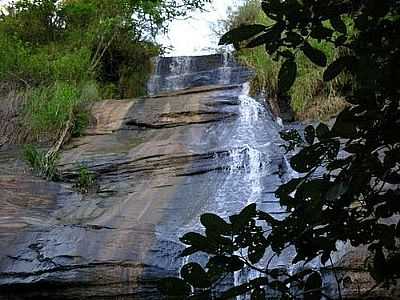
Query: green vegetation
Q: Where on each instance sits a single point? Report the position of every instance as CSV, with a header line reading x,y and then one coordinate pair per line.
x,y
349,175
86,180
49,108
42,165
311,98
64,54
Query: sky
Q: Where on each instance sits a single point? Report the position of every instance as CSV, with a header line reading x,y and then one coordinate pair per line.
x,y
194,35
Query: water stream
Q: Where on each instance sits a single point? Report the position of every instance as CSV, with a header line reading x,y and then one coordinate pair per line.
x,y
254,165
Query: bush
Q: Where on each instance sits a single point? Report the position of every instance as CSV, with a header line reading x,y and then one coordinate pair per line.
x,y
13,56
86,180
72,66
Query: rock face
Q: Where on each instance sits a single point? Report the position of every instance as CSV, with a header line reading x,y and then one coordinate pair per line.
x,y
199,144
179,73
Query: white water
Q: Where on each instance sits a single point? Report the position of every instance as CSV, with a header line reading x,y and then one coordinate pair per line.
x,y
248,146
181,72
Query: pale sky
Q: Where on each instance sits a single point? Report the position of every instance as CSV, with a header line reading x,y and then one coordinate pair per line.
x,y
192,36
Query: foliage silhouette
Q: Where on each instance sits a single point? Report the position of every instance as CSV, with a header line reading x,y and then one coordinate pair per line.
x,y
348,188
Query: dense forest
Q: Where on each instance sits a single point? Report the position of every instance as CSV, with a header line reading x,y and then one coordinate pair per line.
x,y
64,54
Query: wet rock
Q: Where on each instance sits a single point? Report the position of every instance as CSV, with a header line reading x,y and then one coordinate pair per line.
x,y
61,244
159,163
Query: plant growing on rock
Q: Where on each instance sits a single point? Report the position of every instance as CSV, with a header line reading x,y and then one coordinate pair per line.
x,y
42,163
349,196
86,180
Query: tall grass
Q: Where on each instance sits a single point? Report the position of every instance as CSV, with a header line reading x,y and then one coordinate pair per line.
x,y
41,164
48,108
311,97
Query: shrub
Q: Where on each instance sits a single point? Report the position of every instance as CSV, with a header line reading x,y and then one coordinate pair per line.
x,y
86,180
13,56
72,66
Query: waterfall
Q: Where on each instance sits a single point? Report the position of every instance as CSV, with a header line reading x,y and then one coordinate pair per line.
x,y
184,72
247,146
251,112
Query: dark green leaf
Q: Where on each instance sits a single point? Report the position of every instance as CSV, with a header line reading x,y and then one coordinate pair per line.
x,y
315,55
215,223
338,164
258,294
273,9
196,240
285,189
174,287
307,158
267,218
241,33
271,35
287,54
279,286
188,251
223,264
294,38
321,33
335,68
313,286
287,75
276,273
338,24
309,134
194,274
345,125
336,191
256,252
249,211
291,135
332,148
340,40
243,218
322,131
355,148
236,291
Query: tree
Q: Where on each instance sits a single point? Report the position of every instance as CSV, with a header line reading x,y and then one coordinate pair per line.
x,y
356,199
119,36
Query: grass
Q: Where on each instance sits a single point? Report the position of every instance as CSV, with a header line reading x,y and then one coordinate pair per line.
x,y
311,97
48,108
86,180
41,164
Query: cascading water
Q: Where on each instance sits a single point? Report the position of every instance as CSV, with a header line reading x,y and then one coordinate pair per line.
x,y
160,163
247,149
180,73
